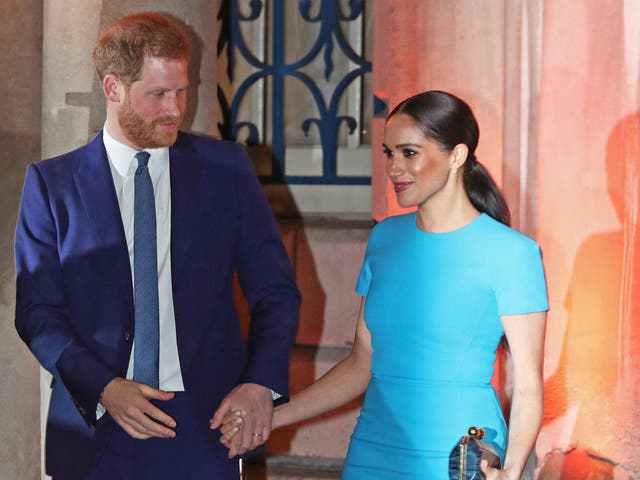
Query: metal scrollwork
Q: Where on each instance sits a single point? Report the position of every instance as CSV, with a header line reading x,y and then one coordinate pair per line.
x,y
330,41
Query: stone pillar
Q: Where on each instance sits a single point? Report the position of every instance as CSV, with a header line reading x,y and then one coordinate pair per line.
x,y
21,64
73,103
459,48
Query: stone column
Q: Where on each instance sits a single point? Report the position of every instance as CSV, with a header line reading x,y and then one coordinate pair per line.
x,y
73,103
458,48
21,64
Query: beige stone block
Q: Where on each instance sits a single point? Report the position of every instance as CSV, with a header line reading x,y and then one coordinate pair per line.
x,y
328,261
21,64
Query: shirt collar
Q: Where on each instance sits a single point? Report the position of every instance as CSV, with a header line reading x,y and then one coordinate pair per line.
x,y
122,157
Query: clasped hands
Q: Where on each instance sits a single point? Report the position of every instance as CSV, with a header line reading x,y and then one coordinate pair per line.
x,y
244,418
129,404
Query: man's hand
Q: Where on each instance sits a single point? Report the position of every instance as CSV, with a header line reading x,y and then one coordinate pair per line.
x,y
128,404
256,404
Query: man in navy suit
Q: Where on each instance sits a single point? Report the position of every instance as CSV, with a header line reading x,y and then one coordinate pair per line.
x,y
75,254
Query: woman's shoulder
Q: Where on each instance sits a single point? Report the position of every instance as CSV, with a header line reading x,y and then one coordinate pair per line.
x,y
505,239
389,229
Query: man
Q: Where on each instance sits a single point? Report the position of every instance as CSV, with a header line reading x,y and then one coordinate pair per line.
x,y
125,256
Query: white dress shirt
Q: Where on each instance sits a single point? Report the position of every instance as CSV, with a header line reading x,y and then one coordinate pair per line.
x,y
123,165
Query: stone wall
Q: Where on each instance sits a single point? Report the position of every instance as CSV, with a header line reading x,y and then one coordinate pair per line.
x,y
21,62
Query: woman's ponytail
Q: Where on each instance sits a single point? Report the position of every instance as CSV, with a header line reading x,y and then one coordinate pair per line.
x,y
483,191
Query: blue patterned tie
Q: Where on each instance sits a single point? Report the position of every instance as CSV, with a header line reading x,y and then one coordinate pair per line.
x,y
145,273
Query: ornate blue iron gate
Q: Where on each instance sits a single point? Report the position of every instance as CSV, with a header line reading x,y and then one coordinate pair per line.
x,y
328,123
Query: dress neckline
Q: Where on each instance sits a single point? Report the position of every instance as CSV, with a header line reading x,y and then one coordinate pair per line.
x,y
450,233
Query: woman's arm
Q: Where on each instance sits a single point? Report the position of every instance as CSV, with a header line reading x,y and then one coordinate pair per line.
x,y
525,334
344,382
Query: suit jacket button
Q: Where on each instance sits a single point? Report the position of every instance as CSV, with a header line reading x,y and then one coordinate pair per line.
x,y
127,336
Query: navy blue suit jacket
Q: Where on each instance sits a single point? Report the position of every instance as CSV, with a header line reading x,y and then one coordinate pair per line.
x,y
74,304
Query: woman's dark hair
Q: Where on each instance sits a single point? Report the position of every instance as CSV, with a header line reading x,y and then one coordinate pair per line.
x,y
448,121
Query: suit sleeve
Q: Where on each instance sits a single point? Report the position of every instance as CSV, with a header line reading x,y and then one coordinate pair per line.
x,y
267,282
42,313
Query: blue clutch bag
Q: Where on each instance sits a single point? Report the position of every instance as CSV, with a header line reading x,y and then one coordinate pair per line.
x,y
464,460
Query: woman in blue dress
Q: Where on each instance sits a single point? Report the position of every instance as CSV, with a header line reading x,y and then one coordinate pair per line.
x,y
440,287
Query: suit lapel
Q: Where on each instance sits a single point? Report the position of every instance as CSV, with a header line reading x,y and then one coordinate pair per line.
x,y
94,181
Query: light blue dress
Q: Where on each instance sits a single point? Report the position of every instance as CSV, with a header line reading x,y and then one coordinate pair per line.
x,y
433,307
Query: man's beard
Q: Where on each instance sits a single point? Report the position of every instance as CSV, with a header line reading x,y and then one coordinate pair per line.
x,y
144,134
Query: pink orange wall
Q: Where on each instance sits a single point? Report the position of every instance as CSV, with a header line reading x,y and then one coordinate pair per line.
x,y
589,139
439,45
555,86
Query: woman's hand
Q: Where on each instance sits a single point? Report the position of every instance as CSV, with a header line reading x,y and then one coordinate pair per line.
x,y
497,474
231,425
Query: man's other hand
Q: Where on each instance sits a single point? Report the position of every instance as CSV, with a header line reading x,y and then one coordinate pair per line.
x,y
128,404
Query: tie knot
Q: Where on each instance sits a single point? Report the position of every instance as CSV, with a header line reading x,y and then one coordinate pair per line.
x,y
143,158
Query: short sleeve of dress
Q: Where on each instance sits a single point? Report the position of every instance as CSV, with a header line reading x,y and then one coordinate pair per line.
x,y
520,283
364,279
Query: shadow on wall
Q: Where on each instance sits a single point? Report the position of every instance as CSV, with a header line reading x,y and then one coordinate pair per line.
x,y
596,386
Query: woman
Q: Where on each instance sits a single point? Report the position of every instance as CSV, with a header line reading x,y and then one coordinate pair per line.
x,y
440,287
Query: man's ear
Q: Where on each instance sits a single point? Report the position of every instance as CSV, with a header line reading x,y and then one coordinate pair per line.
x,y
113,88
458,156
